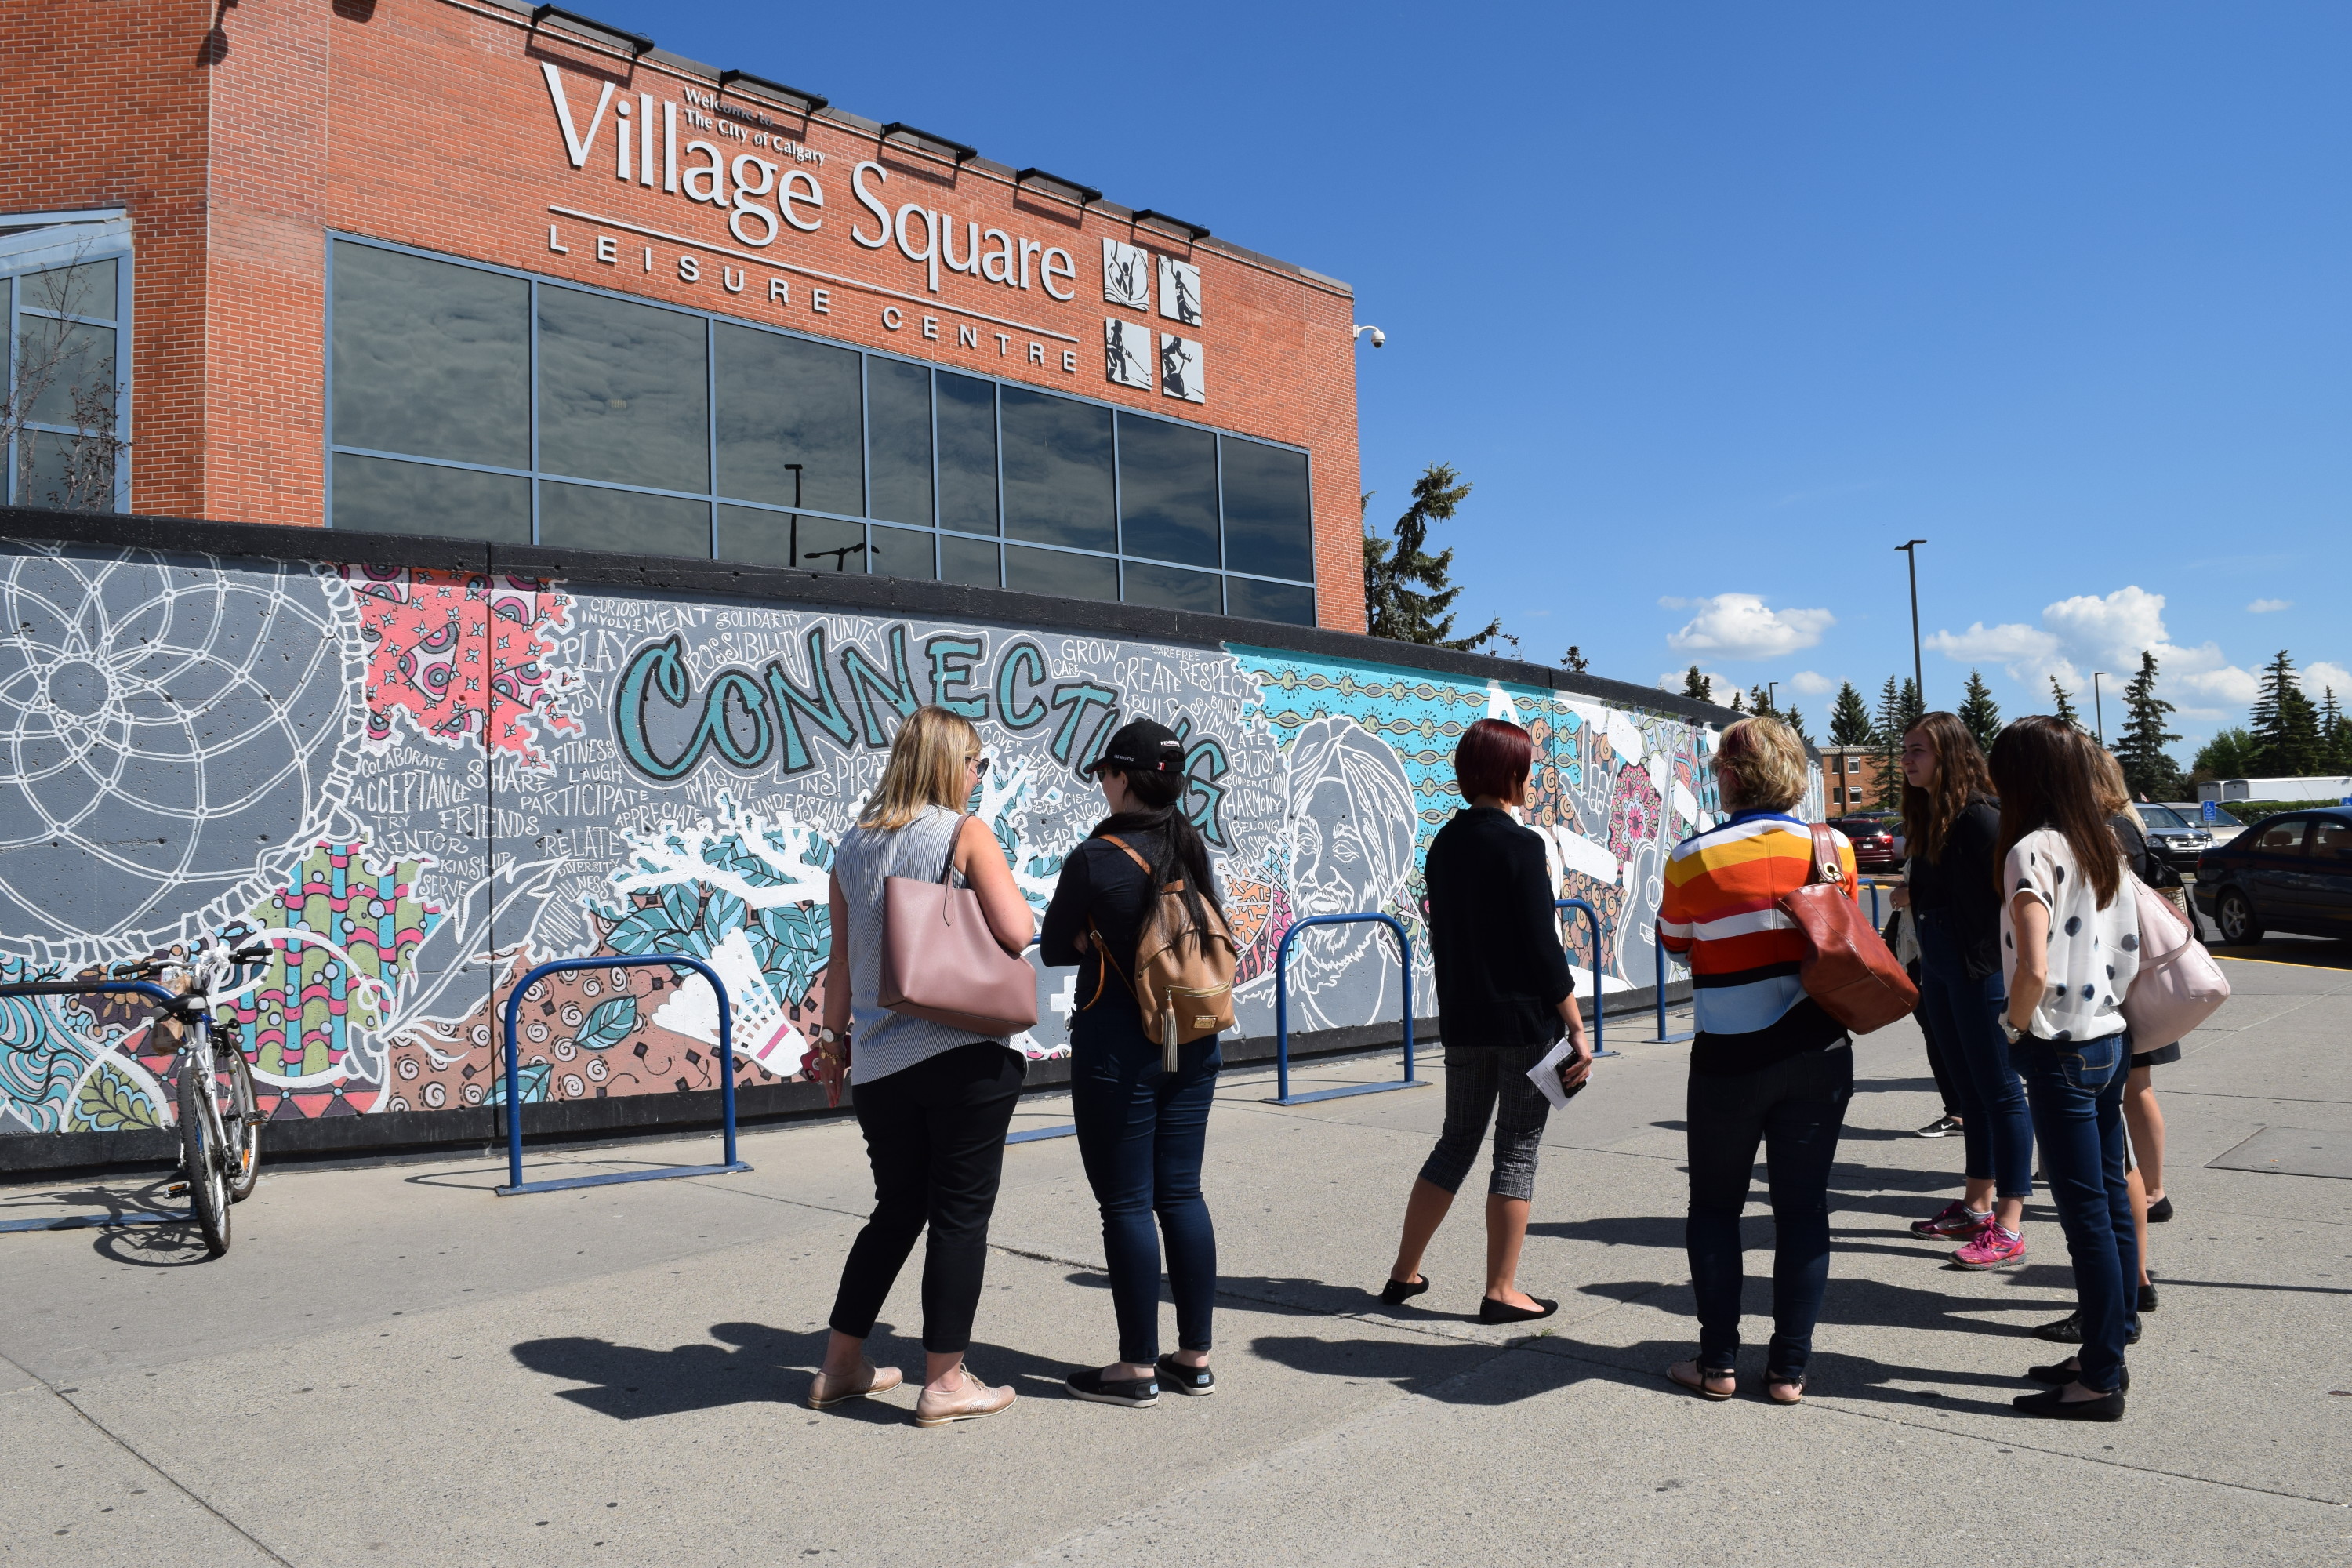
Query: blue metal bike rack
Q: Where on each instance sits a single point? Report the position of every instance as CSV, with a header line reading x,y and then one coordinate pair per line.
x,y
1664,1038
1281,1011
1599,1050
515,1183
147,988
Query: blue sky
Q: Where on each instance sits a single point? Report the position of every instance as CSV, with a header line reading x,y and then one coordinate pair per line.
x,y
1716,305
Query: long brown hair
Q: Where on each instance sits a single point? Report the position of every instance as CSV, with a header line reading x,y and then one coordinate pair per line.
x,y
2043,770
1928,813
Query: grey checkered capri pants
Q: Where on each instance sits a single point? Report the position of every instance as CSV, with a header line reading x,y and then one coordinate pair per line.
x,y
1482,1081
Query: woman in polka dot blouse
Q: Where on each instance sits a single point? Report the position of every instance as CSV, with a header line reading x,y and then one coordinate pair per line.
x,y
2070,947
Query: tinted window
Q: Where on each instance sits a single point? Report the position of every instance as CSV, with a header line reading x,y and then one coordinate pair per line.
x,y
1063,575
966,420
623,392
431,358
906,553
84,288
1167,491
81,370
898,440
747,533
2162,816
1257,601
2331,835
784,400
376,495
829,544
1173,588
1268,524
64,472
580,517
969,561
1057,470
2283,837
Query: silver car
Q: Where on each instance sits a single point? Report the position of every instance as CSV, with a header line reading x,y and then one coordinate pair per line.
x,y
2176,835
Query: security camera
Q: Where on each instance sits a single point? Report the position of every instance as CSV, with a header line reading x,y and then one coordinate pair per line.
x,y
1379,337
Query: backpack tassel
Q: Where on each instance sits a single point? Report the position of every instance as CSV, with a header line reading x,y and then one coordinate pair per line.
x,y
1168,1041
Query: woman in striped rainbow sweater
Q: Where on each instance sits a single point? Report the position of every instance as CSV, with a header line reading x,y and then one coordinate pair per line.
x,y
1768,1065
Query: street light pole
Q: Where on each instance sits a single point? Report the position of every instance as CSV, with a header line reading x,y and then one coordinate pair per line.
x,y
1918,676
2098,709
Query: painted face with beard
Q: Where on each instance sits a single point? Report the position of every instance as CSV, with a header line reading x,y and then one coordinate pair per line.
x,y
1352,822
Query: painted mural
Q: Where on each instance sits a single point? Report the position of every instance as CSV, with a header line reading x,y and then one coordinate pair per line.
x,y
422,784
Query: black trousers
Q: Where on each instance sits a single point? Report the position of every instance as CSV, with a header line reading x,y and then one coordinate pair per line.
x,y
934,1133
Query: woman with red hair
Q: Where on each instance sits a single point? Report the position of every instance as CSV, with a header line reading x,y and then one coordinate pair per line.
x,y
1505,996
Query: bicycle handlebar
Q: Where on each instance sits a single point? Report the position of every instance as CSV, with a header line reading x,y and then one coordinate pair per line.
x,y
94,987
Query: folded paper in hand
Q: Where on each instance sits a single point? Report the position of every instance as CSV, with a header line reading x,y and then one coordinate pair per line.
x,y
1545,1074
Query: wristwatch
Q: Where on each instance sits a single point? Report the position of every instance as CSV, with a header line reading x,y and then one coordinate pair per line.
x,y
827,1037
2010,1030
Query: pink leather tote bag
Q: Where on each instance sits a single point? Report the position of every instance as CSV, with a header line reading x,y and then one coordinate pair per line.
x,y
940,961
2178,985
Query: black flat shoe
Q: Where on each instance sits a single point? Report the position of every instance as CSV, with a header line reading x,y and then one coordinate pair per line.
x,y
2147,1297
2160,1211
1397,1292
1137,1394
2068,1331
2053,1403
1196,1380
2067,1370
1493,1311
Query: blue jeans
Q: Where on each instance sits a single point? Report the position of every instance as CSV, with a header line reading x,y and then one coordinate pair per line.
x,y
1140,1133
2077,1088
1996,1130
1796,1109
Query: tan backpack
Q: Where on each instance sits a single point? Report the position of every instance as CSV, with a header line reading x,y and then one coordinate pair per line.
x,y
1183,979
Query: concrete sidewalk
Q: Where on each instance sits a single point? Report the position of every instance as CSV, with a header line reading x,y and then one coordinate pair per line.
x,y
393,1365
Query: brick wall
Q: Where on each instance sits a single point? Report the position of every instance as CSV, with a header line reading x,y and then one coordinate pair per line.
x,y
103,105
429,123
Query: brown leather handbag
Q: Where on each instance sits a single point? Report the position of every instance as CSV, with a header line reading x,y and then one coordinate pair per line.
x,y
1848,968
940,961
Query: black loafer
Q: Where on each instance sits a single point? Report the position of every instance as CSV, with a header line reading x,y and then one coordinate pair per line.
x,y
1493,1311
2160,1211
1137,1394
2053,1403
2147,1297
2068,1331
2067,1370
1196,1380
1397,1292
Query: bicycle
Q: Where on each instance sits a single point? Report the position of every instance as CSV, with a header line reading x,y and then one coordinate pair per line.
x,y
218,1110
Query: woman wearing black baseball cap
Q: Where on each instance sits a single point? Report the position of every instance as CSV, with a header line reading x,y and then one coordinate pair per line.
x,y
1140,1129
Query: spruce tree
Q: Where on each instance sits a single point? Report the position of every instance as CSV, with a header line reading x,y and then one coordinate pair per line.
x,y
1898,710
1574,662
2335,736
1759,700
1408,592
1796,721
1737,697
2066,709
2285,724
1979,712
1698,686
1849,718
2148,769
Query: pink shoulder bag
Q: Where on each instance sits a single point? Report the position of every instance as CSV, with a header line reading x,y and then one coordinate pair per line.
x,y
2178,985
940,961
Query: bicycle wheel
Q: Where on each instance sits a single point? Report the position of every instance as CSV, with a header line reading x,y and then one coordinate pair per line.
x,y
201,1154
241,1120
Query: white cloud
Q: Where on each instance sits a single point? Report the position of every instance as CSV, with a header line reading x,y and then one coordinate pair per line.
x,y
2320,674
2090,631
1739,626
1813,685
2267,606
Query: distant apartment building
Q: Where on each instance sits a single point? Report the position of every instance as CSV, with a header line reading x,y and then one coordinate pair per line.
x,y
1850,780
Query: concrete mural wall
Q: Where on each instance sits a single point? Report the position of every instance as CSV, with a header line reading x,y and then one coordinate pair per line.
x,y
428,779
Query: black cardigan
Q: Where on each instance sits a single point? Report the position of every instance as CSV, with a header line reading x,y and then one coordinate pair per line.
x,y
1501,972
1964,884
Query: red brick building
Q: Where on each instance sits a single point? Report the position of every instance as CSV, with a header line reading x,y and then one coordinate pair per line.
x,y
1851,777
468,266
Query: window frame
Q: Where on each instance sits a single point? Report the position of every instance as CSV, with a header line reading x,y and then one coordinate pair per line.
x,y
48,242
538,474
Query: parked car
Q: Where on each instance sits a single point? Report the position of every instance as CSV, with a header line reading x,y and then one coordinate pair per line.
x,y
2291,872
1873,841
2223,828
2179,839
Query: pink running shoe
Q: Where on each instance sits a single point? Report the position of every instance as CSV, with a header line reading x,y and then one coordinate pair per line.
x,y
1957,1223
1994,1247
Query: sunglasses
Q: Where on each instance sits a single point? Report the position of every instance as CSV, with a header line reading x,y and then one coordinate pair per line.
x,y
978,765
